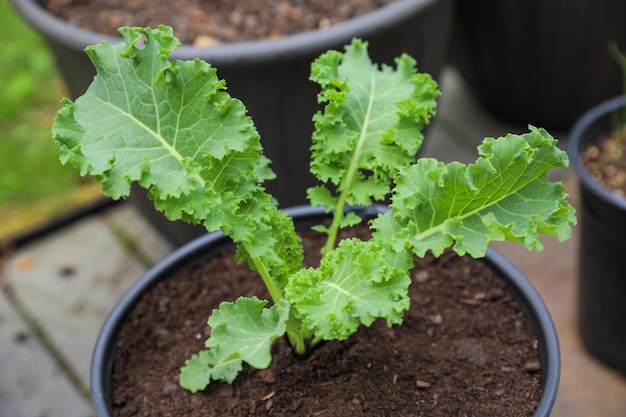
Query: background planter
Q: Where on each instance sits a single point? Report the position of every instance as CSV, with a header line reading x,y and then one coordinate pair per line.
x,y
272,78
210,244
602,274
543,62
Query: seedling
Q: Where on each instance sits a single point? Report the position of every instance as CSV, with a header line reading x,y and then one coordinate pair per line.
x,y
172,127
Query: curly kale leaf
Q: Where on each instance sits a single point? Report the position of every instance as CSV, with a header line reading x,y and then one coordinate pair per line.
x,y
241,331
355,283
504,195
371,126
172,127
203,367
168,125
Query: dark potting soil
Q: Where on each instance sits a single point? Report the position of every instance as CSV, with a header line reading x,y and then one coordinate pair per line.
x,y
206,23
606,161
464,349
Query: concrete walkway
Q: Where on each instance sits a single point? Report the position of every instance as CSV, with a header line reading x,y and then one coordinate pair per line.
x,y
58,290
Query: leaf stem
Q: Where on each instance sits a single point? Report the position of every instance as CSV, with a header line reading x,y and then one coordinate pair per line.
x,y
333,230
314,342
296,337
297,334
347,183
338,215
275,292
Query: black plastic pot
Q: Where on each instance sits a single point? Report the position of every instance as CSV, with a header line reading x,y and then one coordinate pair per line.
x,y
271,77
521,290
601,272
526,59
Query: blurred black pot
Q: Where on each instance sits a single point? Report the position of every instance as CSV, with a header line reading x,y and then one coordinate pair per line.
x,y
543,62
601,273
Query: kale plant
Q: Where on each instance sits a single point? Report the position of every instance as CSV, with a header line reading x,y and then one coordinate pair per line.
x,y
172,127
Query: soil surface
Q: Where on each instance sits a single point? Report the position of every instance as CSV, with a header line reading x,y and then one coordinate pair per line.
x,y
606,161
464,349
209,22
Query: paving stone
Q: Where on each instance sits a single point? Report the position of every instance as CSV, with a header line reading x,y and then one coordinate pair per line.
x,y
31,383
69,282
150,244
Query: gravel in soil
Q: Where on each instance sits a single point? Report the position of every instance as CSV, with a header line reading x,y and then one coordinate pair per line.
x,y
606,161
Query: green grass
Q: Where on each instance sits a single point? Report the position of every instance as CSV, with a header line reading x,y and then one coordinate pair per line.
x,y
34,186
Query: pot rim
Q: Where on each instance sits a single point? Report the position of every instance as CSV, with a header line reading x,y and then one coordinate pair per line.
x,y
241,53
520,287
579,137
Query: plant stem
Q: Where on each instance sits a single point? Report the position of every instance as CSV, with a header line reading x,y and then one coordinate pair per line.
x,y
275,292
298,334
347,183
338,215
314,342
297,342
333,230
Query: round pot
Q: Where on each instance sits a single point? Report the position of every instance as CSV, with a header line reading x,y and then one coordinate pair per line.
x,y
601,278
542,62
519,287
271,77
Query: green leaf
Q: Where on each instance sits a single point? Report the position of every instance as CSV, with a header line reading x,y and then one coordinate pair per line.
x,y
274,241
504,195
170,126
202,368
242,331
349,219
371,126
356,283
246,329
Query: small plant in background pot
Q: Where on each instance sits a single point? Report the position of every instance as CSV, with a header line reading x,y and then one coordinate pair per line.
x,y
605,158
172,127
596,146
